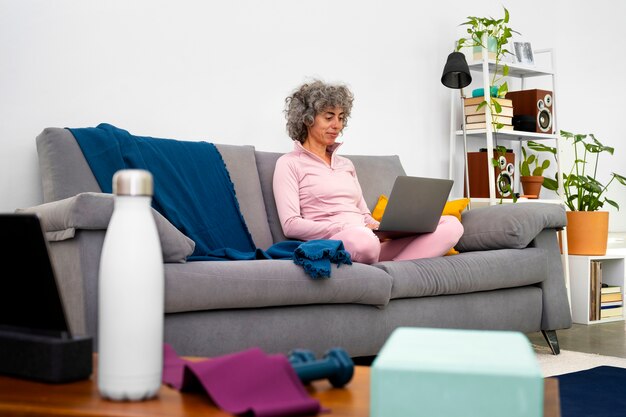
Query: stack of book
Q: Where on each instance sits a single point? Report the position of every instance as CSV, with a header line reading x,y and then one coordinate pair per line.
x,y
611,302
606,301
475,117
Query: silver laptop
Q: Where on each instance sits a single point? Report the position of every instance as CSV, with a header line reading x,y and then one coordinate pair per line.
x,y
414,206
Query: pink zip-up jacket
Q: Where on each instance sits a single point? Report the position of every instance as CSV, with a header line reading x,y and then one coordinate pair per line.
x,y
315,200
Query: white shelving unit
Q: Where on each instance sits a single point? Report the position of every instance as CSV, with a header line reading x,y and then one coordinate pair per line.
x,y
613,270
515,138
521,72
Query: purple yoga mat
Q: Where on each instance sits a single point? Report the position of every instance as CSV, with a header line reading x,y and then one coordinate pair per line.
x,y
248,381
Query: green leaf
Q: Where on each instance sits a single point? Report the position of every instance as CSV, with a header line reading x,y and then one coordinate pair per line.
x,y
481,105
550,184
531,159
619,178
538,171
504,88
539,147
524,169
496,105
613,203
545,164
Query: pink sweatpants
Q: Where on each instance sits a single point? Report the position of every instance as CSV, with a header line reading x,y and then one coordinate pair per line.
x,y
365,247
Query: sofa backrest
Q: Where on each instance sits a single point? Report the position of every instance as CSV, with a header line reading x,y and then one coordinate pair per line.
x,y
64,170
65,173
376,175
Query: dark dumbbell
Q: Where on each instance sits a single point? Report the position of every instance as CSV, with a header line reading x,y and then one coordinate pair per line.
x,y
301,356
337,366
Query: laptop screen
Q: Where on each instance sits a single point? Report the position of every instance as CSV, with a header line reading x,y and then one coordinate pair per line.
x,y
29,298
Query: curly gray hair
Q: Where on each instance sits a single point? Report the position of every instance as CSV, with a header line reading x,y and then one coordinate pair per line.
x,y
311,99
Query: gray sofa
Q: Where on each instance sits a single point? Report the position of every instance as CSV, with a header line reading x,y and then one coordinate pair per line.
x,y
508,275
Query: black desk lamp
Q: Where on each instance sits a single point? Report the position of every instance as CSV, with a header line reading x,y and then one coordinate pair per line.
x,y
456,74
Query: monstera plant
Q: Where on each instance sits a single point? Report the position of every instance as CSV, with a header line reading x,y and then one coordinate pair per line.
x,y
584,193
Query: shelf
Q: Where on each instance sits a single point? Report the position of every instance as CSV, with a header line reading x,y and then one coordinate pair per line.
x,y
515,70
511,134
521,72
612,273
483,201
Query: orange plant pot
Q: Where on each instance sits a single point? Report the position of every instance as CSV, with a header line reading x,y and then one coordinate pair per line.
x,y
587,232
531,184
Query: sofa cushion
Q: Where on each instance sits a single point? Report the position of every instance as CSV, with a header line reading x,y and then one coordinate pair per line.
x,y
376,174
505,226
266,163
92,211
241,164
467,272
60,158
198,286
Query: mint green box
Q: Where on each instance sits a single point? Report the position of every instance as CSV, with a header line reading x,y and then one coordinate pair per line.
x,y
449,373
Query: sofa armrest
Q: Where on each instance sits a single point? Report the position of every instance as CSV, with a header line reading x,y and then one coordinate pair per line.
x,y
508,226
92,211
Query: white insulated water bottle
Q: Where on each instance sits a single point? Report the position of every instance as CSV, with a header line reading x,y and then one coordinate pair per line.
x,y
131,291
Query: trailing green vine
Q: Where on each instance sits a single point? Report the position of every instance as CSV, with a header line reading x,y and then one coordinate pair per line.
x,y
480,28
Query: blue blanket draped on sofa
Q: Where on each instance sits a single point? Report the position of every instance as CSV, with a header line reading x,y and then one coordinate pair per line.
x,y
193,190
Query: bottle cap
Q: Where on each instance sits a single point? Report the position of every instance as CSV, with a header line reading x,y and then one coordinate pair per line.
x,y
132,182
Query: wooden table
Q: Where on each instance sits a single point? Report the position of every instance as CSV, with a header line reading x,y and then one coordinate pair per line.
x,y
26,398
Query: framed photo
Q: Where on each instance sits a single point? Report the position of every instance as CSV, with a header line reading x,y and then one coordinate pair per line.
x,y
523,53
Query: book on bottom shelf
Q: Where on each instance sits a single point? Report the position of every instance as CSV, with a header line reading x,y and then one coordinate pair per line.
x,y
615,296
595,289
610,289
612,304
610,312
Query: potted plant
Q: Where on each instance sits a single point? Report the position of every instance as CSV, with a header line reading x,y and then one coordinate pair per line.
x,y
497,34
531,171
494,35
584,194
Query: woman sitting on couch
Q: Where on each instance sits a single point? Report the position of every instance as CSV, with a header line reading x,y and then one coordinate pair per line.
x,y
317,192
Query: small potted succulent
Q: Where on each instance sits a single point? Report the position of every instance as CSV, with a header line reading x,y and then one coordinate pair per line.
x,y
531,171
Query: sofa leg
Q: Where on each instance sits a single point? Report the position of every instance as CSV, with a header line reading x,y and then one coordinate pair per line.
x,y
553,342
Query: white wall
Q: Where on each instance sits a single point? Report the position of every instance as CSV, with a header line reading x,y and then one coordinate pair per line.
x,y
219,71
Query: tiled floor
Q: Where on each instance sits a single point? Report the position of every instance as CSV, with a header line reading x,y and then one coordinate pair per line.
x,y
604,339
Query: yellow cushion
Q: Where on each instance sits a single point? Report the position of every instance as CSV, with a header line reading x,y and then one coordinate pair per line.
x,y
452,208
455,207
381,205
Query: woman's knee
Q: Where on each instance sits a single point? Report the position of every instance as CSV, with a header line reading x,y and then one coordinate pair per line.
x,y
361,243
451,228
